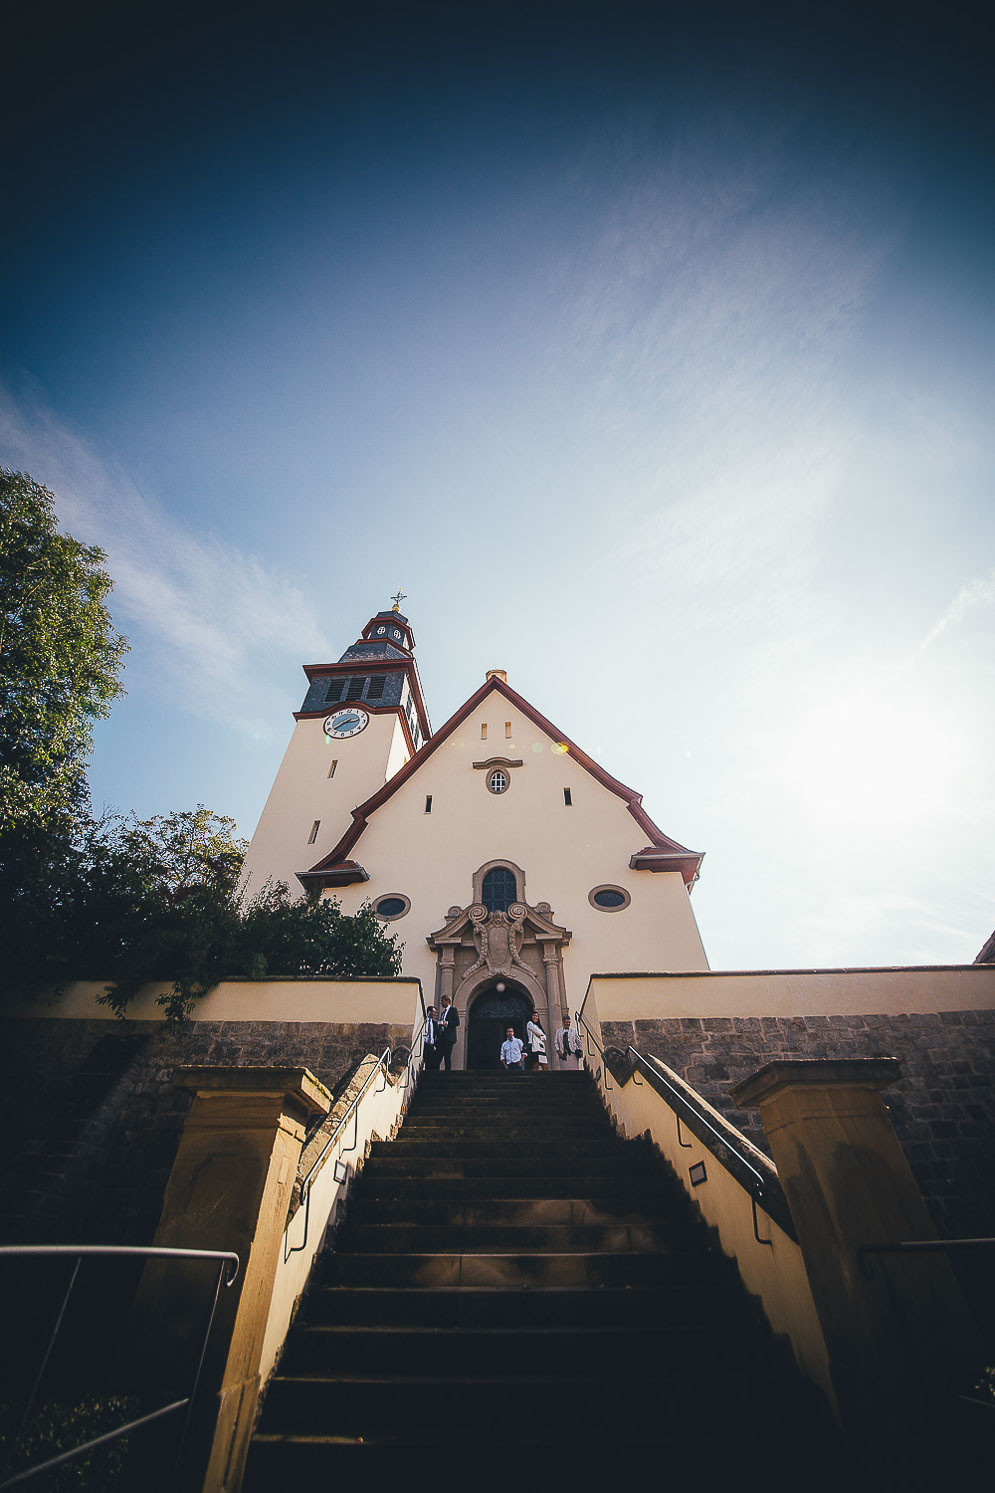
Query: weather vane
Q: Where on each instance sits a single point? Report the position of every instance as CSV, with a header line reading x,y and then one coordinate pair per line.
x,y
398,598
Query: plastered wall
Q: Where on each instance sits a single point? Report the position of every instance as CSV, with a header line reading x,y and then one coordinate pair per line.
x,y
564,851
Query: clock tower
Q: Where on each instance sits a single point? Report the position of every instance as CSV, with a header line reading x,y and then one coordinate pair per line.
x,y
361,720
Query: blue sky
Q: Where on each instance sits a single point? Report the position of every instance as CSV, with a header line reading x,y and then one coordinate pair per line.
x,y
652,356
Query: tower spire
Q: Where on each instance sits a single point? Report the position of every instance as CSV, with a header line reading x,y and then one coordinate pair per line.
x,y
397,598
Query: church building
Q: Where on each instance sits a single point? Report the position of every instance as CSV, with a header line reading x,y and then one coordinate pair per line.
x,y
510,863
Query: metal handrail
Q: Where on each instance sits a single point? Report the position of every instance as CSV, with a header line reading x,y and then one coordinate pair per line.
x,y
403,1082
758,1190
79,1252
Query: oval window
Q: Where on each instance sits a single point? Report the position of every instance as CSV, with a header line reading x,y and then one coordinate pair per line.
x,y
497,782
608,898
392,907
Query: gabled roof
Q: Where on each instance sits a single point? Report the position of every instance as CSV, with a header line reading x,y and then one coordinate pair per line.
x,y
661,854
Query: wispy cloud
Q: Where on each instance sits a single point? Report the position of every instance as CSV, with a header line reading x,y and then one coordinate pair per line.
x,y
716,306
207,613
976,593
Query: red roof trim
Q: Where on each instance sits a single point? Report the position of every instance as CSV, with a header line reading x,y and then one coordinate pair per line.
x,y
633,800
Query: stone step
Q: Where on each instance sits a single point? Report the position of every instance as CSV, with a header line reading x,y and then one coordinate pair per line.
x,y
483,1078
622,1397
532,1147
494,1164
422,1239
630,1208
483,1353
565,1132
448,1104
535,1452
402,1184
716,1296
507,1270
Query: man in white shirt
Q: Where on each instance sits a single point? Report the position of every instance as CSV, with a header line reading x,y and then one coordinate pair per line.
x,y
568,1048
512,1049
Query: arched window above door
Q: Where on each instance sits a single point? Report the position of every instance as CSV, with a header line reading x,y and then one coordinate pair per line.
x,y
499,889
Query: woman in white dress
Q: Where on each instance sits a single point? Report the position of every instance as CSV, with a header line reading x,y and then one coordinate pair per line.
x,y
536,1040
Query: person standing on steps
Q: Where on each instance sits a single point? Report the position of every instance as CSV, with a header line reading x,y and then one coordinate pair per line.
x,y
512,1049
536,1039
430,1038
568,1048
448,1022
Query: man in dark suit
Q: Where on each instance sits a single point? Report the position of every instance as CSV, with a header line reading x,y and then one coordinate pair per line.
x,y
430,1040
448,1022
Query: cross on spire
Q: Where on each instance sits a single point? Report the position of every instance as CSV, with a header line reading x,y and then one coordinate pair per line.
x,y
397,599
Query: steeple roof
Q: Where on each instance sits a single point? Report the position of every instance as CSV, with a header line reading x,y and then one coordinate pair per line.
x,y
661,854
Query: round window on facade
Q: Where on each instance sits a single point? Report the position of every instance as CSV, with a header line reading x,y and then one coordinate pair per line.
x,y
391,907
498,781
609,898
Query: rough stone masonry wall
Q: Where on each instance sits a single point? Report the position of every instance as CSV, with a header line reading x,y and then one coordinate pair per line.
x,y
943,1110
92,1121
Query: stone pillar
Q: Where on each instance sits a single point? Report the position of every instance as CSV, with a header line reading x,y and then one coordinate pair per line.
x,y
229,1189
554,997
897,1328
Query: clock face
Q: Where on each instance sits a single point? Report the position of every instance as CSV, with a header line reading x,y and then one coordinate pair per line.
x,y
346,722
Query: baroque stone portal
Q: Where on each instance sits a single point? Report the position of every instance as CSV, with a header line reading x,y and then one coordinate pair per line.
x,y
523,942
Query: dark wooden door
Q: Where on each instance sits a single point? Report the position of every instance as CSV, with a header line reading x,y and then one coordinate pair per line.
x,y
491,1014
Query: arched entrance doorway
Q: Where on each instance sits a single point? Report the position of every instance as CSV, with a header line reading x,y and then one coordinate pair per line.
x,y
498,1006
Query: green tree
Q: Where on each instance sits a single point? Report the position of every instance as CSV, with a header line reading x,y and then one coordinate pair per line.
x,y
123,899
60,658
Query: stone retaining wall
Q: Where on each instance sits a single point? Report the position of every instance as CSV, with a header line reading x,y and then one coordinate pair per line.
x,y
92,1121
943,1110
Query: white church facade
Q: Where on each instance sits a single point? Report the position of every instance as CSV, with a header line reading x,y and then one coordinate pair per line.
x,y
512,866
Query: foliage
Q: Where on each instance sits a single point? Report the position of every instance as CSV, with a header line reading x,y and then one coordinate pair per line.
x,y
122,899
134,900
60,658
56,1428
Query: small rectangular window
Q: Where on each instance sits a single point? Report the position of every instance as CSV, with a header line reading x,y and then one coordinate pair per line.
x,y
507,730
567,798
428,803
332,766
355,690
334,691
483,730
375,690
314,832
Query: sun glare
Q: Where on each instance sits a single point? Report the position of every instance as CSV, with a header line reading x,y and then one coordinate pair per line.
x,y
867,759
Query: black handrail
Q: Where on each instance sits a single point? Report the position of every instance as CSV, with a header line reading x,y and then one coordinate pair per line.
x,y
726,1148
79,1252
404,1082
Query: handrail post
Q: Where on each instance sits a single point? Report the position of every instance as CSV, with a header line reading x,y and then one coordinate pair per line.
x,y
901,1339
230,1188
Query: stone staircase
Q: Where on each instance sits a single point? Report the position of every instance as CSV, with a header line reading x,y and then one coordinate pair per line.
x,y
516,1284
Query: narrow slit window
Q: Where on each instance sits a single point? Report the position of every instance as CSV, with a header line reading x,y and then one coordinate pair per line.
x,y
483,730
507,730
332,766
567,797
428,803
314,832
